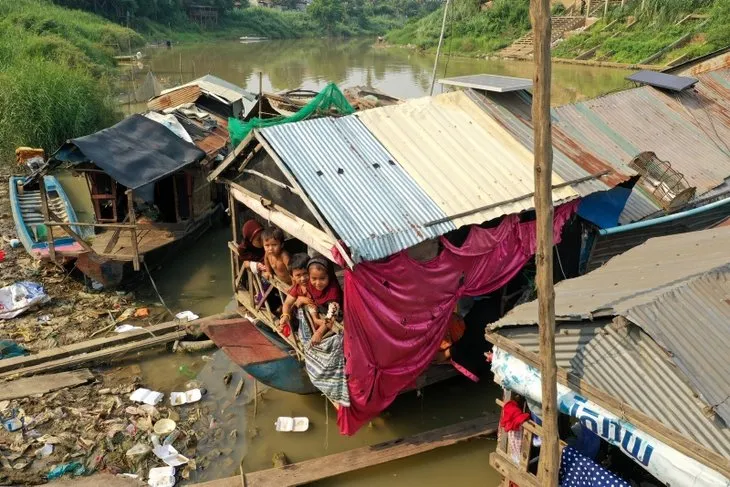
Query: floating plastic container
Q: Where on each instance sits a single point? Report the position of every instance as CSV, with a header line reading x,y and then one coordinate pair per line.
x,y
286,424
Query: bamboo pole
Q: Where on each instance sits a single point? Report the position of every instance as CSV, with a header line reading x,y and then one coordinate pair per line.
x,y
605,9
438,50
588,8
549,453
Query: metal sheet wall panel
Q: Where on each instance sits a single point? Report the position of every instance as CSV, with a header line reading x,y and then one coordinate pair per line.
x,y
633,368
460,156
367,197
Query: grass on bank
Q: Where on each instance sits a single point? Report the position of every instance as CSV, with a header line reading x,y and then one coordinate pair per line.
x,y
469,29
53,74
655,29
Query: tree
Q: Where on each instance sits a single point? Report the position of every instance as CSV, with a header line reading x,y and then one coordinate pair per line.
x,y
327,12
287,4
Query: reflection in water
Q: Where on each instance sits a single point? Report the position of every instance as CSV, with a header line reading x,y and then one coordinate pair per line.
x,y
199,278
400,72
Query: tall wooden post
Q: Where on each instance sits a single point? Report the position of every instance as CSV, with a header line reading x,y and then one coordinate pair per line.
x,y
549,453
588,8
133,230
605,10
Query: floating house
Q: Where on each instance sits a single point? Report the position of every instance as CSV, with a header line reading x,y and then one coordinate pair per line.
x,y
641,347
146,179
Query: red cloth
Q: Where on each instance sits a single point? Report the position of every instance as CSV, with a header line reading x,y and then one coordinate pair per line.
x,y
512,416
396,310
320,298
246,250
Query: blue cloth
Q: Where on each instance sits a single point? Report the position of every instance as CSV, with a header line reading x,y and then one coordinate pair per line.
x,y
605,207
579,471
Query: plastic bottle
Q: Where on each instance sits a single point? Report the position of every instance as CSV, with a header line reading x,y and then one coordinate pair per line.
x,y
171,438
185,370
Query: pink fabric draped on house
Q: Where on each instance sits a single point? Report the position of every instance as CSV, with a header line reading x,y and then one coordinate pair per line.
x,y
396,310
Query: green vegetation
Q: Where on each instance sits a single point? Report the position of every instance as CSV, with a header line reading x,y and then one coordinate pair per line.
x,y
632,35
53,73
470,29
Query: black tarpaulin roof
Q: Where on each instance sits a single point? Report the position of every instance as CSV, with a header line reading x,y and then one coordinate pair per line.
x,y
135,152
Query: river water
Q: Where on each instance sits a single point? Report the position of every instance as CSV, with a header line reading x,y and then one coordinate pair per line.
x,y
199,278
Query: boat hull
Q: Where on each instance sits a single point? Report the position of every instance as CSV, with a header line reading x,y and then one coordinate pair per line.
x,y
27,215
261,354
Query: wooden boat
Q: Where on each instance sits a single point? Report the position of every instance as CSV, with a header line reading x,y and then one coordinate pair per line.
x,y
28,216
261,354
270,360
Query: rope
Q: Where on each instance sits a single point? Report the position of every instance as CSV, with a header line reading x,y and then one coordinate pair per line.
x,y
154,286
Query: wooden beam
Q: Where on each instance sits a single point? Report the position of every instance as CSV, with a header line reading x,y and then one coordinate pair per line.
x,y
42,384
549,465
31,364
230,158
647,424
502,464
308,471
44,210
303,194
66,227
292,224
133,230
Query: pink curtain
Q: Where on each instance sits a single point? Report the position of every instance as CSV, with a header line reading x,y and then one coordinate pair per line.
x,y
397,310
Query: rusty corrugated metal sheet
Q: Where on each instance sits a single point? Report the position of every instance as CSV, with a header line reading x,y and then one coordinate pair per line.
x,y
459,155
174,98
217,139
629,365
617,127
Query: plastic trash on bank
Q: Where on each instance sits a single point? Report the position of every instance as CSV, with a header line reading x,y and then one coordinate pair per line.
x,y
18,298
287,425
146,396
162,477
186,316
180,398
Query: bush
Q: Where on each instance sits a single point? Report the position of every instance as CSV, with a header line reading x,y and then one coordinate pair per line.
x,y
43,103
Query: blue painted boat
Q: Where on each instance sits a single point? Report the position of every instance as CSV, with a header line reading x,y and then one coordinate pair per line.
x,y
266,357
32,233
261,353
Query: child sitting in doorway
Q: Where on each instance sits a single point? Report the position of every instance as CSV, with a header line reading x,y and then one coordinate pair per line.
x,y
315,288
276,259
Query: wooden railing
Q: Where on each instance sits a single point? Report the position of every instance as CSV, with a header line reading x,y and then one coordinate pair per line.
x,y
252,293
502,461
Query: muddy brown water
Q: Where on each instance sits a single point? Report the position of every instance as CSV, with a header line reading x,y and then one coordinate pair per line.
x,y
199,278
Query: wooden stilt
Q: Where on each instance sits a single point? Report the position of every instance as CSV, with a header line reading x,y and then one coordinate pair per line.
x,y
133,230
549,453
49,229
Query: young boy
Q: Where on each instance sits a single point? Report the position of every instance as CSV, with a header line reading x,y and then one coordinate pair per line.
x,y
276,259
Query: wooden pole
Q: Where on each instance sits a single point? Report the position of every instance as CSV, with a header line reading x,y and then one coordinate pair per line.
x,y
438,49
133,230
44,210
261,90
549,453
588,8
605,9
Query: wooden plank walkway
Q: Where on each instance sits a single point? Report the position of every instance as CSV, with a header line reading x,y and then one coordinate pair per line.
x,y
42,384
302,473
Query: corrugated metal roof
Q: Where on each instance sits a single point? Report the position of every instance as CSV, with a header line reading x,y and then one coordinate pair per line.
x,y
692,321
460,156
367,197
630,366
217,86
619,126
634,278
677,289
174,97
571,160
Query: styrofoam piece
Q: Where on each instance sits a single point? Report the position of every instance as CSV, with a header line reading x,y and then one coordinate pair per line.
x,y
169,455
186,316
162,477
287,424
146,396
180,398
